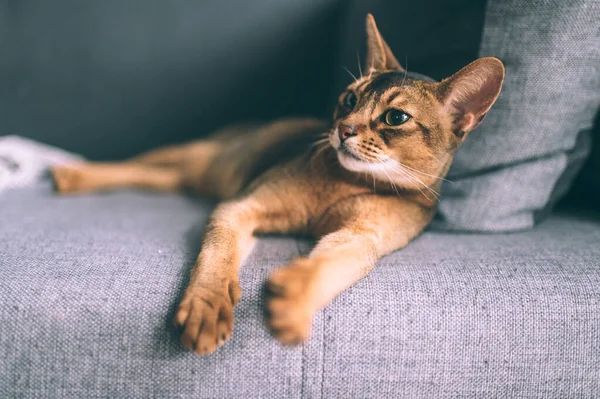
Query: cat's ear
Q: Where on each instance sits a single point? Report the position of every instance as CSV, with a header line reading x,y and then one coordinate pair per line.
x,y
470,93
379,55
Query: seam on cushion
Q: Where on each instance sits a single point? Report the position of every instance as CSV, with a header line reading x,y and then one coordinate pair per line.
x,y
302,373
304,347
323,353
303,358
496,168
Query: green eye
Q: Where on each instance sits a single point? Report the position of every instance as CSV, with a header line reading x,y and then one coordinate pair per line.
x,y
395,118
350,100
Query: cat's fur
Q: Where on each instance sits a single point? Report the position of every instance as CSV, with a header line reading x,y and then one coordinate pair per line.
x,y
363,199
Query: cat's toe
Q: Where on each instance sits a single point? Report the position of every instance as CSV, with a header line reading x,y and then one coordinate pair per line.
x,y
289,306
66,178
289,321
206,318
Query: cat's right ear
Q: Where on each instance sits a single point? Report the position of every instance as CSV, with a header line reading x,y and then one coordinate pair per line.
x,y
470,93
379,55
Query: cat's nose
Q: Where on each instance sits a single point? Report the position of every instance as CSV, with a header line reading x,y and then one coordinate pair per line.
x,y
345,131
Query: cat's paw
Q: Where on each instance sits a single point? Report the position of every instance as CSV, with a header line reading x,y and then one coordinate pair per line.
x,y
67,179
206,318
290,307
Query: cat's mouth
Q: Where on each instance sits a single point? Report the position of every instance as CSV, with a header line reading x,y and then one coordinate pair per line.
x,y
352,161
345,151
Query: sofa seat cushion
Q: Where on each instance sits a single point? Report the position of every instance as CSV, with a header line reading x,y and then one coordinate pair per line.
x,y
89,284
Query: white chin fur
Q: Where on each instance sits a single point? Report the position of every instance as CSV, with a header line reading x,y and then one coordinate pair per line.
x,y
382,171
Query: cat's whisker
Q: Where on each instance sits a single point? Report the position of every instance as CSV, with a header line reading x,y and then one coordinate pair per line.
x,y
404,167
319,148
405,171
372,69
415,178
322,147
391,182
358,62
405,69
410,179
394,162
440,162
351,74
432,191
320,141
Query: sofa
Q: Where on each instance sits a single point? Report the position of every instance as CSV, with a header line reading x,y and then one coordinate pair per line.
x,y
89,284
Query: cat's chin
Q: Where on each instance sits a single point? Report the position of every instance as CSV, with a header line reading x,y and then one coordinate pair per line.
x,y
354,164
351,162
380,170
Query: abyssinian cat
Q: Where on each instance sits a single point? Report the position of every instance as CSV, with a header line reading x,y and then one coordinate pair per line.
x,y
366,188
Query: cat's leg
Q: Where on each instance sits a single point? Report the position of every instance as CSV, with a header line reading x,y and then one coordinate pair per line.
x,y
205,313
87,177
165,169
166,156
364,233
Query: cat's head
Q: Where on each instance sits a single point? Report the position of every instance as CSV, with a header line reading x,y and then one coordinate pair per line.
x,y
407,130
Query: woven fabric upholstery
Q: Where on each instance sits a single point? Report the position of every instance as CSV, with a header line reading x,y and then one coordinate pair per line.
x,y
525,154
88,286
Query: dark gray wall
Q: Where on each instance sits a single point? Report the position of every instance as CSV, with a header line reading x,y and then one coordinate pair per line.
x,y
585,192
110,78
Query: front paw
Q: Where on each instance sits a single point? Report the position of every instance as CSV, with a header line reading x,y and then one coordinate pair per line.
x,y
206,317
290,304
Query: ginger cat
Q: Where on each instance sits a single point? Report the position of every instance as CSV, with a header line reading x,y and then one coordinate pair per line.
x,y
368,188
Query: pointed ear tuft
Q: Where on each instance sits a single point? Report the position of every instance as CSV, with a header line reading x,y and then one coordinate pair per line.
x,y
379,55
470,93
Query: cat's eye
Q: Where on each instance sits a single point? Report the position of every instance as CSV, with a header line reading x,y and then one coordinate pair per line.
x,y
395,118
350,100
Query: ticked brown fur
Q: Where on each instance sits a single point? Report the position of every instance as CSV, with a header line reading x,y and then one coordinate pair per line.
x,y
367,188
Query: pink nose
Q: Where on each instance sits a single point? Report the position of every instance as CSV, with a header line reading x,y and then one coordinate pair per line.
x,y
345,131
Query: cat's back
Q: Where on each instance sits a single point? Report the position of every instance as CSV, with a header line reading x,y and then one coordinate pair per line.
x,y
247,151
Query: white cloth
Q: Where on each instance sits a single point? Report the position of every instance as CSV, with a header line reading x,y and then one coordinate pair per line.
x,y
24,161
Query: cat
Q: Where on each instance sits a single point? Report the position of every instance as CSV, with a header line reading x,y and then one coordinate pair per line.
x,y
365,185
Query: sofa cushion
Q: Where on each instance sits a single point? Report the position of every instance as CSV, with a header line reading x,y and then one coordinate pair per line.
x,y
89,284
525,154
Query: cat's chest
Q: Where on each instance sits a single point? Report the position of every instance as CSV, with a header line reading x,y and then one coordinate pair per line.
x,y
326,193
310,193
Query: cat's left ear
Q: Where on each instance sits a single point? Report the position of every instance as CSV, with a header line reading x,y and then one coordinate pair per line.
x,y
470,93
379,55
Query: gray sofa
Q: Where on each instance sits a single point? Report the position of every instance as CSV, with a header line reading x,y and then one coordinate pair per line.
x,y
89,284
